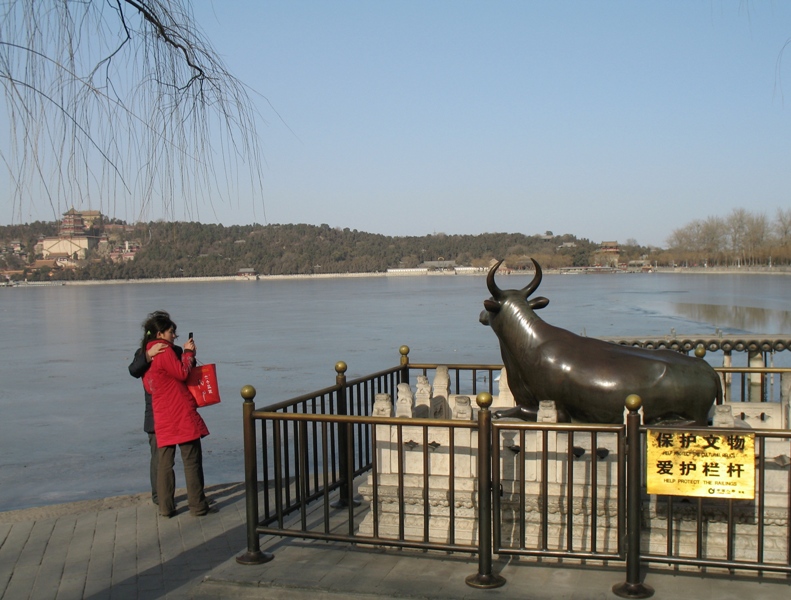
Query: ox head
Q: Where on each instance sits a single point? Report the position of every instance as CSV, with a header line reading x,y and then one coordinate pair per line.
x,y
511,301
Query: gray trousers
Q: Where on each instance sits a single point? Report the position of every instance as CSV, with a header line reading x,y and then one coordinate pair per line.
x,y
153,466
192,458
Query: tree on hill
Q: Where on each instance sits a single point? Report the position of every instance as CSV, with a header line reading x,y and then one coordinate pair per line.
x,y
116,101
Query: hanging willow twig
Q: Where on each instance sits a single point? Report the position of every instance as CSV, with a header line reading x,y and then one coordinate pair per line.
x,y
121,106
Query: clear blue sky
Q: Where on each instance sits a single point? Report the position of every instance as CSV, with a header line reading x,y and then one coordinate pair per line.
x,y
608,120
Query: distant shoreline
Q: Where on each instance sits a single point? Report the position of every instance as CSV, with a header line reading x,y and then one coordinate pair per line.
x,y
659,271
724,270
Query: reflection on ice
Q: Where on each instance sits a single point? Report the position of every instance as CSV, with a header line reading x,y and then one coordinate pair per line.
x,y
741,318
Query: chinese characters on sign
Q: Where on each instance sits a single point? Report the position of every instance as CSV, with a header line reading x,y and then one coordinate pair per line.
x,y
700,463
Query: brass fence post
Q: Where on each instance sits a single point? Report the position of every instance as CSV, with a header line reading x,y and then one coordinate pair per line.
x,y
404,351
253,556
484,578
344,465
633,587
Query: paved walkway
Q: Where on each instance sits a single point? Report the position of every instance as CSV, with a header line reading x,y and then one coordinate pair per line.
x,y
119,548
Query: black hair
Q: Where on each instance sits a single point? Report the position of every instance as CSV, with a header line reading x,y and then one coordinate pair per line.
x,y
156,322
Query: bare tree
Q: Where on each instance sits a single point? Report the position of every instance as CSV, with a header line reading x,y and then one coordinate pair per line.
x,y
748,239
712,240
701,242
121,104
757,239
749,236
782,227
684,242
736,224
782,236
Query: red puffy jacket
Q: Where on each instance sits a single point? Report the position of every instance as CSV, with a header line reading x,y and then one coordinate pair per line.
x,y
176,418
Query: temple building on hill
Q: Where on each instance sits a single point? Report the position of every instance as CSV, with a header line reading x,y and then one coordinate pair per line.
x,y
72,241
76,222
608,255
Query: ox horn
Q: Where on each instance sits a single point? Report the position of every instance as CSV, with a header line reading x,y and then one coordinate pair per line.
x,y
493,289
533,285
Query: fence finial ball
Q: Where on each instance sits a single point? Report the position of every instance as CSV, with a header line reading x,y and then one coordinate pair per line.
x,y
404,350
248,392
484,399
340,367
633,402
700,350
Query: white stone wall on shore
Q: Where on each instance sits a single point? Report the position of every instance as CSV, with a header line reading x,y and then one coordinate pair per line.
x,y
402,273
210,279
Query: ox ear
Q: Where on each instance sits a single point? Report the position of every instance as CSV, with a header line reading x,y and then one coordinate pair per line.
x,y
538,302
491,306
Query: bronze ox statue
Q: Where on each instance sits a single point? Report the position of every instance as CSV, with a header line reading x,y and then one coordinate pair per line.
x,y
589,379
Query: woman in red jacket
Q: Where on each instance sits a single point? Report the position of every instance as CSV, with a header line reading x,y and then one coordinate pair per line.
x,y
176,418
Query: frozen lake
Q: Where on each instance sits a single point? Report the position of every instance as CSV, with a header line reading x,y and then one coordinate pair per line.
x,y
72,417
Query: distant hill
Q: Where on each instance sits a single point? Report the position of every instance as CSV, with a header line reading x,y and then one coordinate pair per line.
x,y
206,250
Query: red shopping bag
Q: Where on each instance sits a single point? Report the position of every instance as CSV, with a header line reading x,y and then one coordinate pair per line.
x,y
202,384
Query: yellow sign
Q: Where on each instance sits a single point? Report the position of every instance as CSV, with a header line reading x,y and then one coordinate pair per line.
x,y
700,463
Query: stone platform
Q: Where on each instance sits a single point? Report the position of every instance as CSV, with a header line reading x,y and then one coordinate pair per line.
x,y
120,548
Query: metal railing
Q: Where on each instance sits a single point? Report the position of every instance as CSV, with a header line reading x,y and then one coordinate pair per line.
x,y
320,452
280,457
556,514
753,384
468,379
326,519
729,533
325,447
